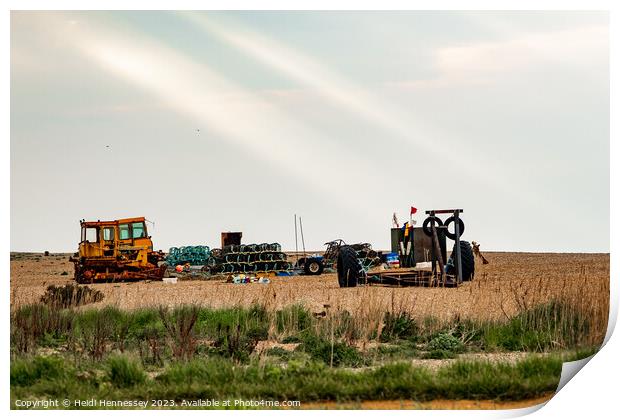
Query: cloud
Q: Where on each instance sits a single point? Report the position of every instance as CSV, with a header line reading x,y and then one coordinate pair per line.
x,y
299,66
197,91
510,111
403,130
484,63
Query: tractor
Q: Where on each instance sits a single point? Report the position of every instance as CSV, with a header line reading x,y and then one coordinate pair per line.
x,y
116,251
314,265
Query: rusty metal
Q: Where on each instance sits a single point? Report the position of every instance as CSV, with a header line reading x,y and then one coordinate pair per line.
x,y
457,241
333,248
231,238
458,225
120,250
433,212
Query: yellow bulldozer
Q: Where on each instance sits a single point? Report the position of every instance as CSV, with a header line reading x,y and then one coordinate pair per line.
x,y
116,251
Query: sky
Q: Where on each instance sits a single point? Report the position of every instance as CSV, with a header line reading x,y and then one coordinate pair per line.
x,y
206,122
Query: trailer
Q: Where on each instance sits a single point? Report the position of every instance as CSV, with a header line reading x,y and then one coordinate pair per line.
x,y
411,277
450,272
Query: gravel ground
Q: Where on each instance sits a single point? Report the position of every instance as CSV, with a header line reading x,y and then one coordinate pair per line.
x,y
510,282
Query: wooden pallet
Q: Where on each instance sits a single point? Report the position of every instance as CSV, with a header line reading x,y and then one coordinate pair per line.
x,y
411,278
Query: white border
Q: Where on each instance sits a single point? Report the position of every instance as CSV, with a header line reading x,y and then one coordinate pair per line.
x,y
592,393
310,5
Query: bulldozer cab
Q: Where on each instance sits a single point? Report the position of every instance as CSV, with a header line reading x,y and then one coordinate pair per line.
x,y
124,237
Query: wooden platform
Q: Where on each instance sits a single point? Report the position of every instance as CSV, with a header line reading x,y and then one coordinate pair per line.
x,y
410,278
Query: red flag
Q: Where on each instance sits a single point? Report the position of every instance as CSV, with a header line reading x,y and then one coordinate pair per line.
x,y
413,210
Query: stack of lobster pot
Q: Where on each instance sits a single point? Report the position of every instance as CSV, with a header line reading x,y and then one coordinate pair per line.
x,y
192,255
368,257
252,258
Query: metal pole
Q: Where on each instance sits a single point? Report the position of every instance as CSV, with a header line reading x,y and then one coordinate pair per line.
x,y
301,229
433,255
457,231
296,249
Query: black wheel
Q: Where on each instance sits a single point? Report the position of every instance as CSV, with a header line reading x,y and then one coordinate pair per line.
x,y
313,267
467,261
426,225
350,271
451,235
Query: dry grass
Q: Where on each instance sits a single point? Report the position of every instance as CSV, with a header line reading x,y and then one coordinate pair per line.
x,y
511,283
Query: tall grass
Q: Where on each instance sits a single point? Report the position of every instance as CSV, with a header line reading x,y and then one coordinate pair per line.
x,y
31,324
334,337
543,327
573,309
539,315
180,328
200,352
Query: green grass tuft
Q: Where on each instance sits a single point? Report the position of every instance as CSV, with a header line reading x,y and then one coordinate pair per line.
x,y
334,354
543,328
399,326
123,372
25,372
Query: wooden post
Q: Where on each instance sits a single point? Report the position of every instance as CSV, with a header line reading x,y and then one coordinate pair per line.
x,y
437,250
